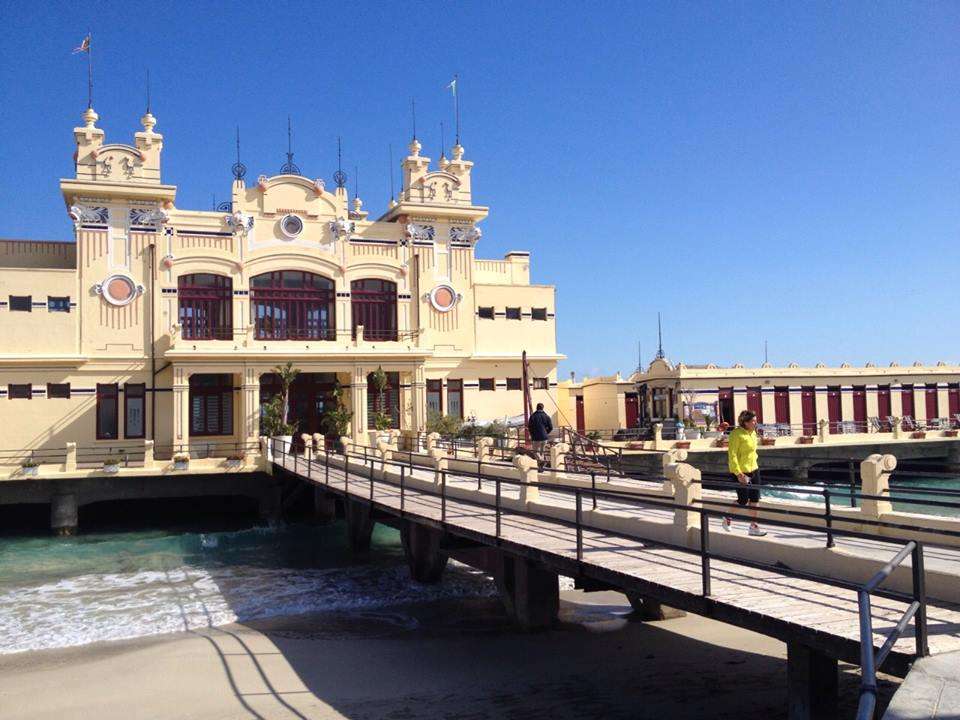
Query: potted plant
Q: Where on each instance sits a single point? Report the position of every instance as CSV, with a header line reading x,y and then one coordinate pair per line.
x,y
768,441
918,435
235,459
682,444
381,420
111,463
805,440
950,433
275,421
336,421
29,467
181,461
691,432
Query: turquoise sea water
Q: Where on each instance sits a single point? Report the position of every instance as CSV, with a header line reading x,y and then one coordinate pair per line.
x,y
60,592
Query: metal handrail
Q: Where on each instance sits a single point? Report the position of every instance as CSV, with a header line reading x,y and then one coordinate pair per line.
x,y
870,658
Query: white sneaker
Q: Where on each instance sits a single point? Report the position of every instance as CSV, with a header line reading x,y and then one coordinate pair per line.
x,y
755,531
726,524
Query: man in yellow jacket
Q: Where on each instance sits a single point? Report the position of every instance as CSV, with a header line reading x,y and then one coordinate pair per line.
x,y
742,462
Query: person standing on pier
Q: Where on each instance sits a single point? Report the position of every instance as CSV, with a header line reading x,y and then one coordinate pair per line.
x,y
742,462
540,428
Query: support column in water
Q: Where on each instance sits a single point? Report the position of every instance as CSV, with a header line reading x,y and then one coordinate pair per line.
x,y
64,514
421,545
529,591
359,524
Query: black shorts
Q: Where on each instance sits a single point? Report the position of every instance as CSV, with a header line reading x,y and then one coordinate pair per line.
x,y
751,492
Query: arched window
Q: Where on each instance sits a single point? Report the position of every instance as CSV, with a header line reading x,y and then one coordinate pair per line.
x,y
374,305
206,306
293,305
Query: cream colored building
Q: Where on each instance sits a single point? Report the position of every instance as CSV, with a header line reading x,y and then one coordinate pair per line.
x,y
160,322
794,399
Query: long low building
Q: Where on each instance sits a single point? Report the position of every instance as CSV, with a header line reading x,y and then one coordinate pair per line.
x,y
790,399
164,323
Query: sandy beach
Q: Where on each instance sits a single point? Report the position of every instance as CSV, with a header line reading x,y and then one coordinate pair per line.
x,y
457,659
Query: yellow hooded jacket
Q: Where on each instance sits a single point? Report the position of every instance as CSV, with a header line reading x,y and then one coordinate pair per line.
x,y
742,452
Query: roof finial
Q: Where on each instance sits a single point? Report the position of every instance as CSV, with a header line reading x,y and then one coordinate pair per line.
x,y
390,173
356,182
413,111
239,169
288,167
148,120
660,355
339,177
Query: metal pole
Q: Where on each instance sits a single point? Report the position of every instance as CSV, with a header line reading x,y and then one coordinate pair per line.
x,y
705,551
579,526
402,469
497,482
593,487
371,478
443,496
479,464
920,595
829,517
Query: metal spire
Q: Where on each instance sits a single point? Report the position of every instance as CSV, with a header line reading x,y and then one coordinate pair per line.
x,y
390,173
289,168
238,169
339,177
356,181
413,110
148,91
766,356
443,143
660,355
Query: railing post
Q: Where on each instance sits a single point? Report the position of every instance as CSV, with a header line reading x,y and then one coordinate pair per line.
x,y
685,480
875,473
326,465
579,526
371,478
528,476
497,483
402,473
705,552
829,517
920,595
443,496
852,479
593,487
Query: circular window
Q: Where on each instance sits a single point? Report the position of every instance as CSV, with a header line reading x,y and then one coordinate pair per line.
x,y
118,290
443,298
291,225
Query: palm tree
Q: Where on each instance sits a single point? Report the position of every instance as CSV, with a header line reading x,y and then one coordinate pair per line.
x,y
287,374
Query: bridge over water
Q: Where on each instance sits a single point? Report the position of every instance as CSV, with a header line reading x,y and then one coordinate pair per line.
x,y
525,528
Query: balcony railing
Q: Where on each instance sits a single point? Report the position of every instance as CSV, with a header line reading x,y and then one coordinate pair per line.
x,y
259,333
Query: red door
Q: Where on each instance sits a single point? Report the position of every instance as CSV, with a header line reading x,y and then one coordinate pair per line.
x,y
906,401
834,409
754,402
581,425
860,407
808,406
781,404
725,406
953,401
933,405
633,409
883,406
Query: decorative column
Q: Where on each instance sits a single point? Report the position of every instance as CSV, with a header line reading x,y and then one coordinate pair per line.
x,y
249,405
873,405
181,408
358,399
418,394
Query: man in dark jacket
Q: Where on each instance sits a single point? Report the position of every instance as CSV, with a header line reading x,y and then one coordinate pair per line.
x,y
540,428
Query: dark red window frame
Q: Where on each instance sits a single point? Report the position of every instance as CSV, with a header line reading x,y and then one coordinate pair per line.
x,y
108,400
134,391
373,304
435,392
211,405
293,305
206,306
455,390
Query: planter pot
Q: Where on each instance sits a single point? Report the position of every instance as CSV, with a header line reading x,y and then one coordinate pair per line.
x,y
919,435
767,442
692,434
682,444
111,468
234,463
29,471
711,434
721,442
950,433
805,440
181,464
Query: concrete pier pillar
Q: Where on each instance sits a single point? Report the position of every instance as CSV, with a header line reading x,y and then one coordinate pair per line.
x,y
529,591
324,506
646,608
64,514
421,545
812,684
359,525
271,502
875,480
800,472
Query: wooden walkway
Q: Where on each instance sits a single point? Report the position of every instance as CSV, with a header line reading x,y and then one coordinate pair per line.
x,y
819,614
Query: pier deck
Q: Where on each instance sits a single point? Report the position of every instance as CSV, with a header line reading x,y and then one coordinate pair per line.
x,y
818,614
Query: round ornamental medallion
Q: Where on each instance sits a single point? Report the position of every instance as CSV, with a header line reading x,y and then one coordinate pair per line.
x,y
443,298
291,226
119,290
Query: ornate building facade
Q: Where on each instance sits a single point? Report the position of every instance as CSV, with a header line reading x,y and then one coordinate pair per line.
x,y
163,323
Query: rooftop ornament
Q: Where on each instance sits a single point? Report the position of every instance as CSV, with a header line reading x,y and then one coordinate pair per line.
x,y
289,168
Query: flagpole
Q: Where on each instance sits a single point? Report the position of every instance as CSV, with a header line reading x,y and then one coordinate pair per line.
x,y
90,72
456,104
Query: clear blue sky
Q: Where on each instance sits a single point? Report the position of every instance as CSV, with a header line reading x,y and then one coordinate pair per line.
x,y
786,171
